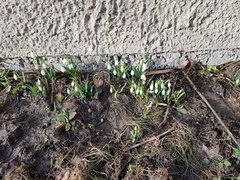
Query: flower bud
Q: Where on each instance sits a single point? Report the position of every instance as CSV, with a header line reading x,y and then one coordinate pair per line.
x,y
151,86
143,77
62,69
43,72
122,69
131,90
15,77
114,72
65,61
116,62
132,73
109,66
144,67
44,66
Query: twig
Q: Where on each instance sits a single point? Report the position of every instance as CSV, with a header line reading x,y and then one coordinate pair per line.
x,y
165,116
151,139
213,111
158,71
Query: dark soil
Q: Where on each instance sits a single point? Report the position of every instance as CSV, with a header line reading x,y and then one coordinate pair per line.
x,y
35,145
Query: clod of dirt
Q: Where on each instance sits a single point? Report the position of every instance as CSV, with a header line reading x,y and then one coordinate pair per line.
x,y
101,78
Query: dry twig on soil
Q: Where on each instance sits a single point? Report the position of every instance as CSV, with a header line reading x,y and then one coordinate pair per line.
x,y
151,139
211,108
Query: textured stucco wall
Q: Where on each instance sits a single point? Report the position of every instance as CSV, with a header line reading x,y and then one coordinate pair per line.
x,y
208,30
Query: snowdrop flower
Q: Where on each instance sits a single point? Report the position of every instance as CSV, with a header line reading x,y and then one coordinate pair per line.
x,y
151,87
156,85
143,77
38,82
163,92
44,66
144,67
237,81
121,68
162,85
131,90
141,92
43,72
169,84
70,66
111,89
168,91
32,55
62,69
76,89
116,62
68,91
156,90
36,66
109,66
135,86
114,72
124,76
65,61
132,72
137,91
15,77
72,83
40,88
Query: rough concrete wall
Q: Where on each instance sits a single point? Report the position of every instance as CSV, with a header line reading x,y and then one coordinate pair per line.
x,y
208,30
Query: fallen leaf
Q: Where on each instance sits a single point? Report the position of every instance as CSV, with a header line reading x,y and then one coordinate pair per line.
x,y
211,152
100,78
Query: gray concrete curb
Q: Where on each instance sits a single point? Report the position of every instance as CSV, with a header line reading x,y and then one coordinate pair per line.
x,y
98,62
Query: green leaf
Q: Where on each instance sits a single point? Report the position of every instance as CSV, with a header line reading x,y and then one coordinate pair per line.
x,y
236,153
181,110
212,68
226,163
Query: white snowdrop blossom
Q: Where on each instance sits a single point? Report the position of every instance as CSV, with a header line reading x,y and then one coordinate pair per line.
x,y
109,66
124,76
237,81
141,92
68,91
65,61
168,91
132,72
156,90
40,88
116,62
36,66
15,77
137,91
44,66
151,86
163,92
162,85
114,72
43,72
131,90
143,77
72,83
169,84
111,89
76,89
144,67
62,69
32,55
38,82
122,69
70,66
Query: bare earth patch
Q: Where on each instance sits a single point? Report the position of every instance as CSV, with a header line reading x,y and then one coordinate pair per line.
x,y
100,145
